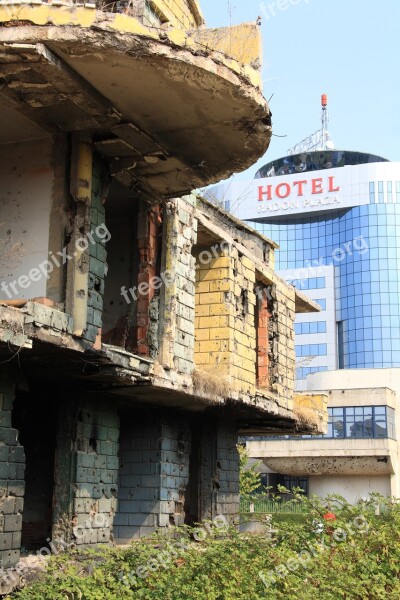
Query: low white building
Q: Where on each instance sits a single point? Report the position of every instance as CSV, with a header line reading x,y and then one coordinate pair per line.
x,y
359,453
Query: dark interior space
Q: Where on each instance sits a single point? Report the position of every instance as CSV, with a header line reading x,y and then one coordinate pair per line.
x,y
35,419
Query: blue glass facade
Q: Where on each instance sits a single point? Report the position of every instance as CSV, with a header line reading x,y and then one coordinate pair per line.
x,y
347,258
363,243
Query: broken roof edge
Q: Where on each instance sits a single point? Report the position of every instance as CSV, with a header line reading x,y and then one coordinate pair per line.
x,y
304,304
194,6
235,221
216,44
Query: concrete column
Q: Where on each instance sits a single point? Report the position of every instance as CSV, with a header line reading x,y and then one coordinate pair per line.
x,y
219,471
174,469
154,473
87,464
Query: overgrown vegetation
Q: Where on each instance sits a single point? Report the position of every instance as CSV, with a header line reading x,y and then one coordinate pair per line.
x,y
337,551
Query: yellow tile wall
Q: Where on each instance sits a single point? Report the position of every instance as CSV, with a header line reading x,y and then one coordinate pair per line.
x,y
225,337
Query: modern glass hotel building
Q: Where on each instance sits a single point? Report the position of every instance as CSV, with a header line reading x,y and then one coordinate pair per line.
x,y
336,217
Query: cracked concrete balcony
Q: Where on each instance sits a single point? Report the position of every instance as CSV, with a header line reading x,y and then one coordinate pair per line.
x,y
172,105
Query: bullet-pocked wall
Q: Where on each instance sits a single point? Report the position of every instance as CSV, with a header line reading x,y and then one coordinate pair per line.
x,y
175,469
97,239
225,328
154,473
177,305
28,173
281,340
86,463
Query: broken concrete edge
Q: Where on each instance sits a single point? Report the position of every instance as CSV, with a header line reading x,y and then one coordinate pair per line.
x,y
208,207
84,17
312,409
266,273
194,6
304,304
132,370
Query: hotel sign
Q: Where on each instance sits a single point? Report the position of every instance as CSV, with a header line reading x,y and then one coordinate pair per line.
x,y
300,194
315,192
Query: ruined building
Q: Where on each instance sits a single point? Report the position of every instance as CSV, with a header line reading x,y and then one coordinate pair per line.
x,y
141,328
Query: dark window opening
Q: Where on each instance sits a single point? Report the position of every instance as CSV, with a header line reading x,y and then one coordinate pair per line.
x,y
262,316
315,161
34,417
290,483
132,286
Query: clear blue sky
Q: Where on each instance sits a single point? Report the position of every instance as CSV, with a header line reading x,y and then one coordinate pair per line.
x,y
349,49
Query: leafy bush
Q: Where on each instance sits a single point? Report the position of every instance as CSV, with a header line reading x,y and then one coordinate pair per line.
x,y
336,551
278,518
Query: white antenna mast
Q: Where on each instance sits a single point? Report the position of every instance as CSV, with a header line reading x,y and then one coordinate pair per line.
x,y
321,139
324,119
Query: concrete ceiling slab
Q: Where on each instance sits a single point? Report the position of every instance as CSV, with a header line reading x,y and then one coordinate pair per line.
x,y
200,120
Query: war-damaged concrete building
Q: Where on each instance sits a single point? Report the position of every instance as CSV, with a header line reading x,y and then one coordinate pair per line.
x,y
141,328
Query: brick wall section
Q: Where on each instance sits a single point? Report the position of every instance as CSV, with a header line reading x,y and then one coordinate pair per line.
x,y
219,470
96,472
227,499
154,472
185,283
97,252
12,485
174,470
281,340
225,309
178,12
214,312
148,236
244,349
182,13
178,305
139,477
263,379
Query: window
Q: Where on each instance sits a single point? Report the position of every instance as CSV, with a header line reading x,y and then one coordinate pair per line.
x,y
340,337
303,372
390,192
350,422
372,192
307,328
321,302
313,283
311,350
380,192
361,422
291,482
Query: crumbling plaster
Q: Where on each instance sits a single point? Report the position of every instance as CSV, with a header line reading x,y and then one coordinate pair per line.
x,y
208,118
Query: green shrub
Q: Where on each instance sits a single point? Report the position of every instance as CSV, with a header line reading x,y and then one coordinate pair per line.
x,y
278,518
355,556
